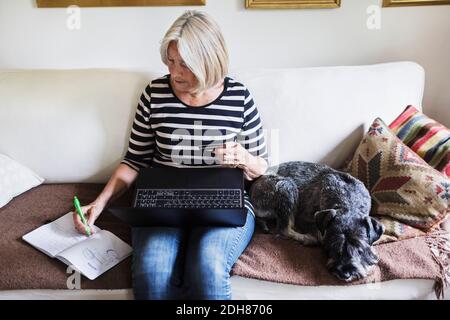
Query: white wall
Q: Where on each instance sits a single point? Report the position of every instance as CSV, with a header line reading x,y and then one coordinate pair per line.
x,y
129,38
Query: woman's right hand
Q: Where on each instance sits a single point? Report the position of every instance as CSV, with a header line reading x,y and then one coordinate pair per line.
x,y
91,212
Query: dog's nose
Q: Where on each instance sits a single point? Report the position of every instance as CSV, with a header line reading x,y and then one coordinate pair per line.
x,y
344,272
346,276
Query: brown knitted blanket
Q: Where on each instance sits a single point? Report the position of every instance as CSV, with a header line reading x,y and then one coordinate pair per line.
x,y
285,261
266,257
24,267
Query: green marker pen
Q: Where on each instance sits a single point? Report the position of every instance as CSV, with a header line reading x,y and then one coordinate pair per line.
x,y
76,203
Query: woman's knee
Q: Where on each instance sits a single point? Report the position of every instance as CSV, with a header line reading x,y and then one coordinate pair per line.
x,y
155,268
208,278
155,248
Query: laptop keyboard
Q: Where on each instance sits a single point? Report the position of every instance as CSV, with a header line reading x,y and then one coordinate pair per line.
x,y
188,198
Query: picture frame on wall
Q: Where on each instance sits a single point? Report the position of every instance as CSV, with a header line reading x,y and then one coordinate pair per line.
x,y
292,4
402,3
117,3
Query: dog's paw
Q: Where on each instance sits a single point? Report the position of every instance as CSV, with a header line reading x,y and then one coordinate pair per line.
x,y
280,236
310,241
264,229
262,225
304,239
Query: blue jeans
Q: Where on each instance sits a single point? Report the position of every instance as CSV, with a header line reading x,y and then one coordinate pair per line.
x,y
175,263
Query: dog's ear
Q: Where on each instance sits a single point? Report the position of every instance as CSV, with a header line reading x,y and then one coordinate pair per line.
x,y
374,229
323,218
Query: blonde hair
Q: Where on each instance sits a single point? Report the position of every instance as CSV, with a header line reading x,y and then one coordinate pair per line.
x,y
201,45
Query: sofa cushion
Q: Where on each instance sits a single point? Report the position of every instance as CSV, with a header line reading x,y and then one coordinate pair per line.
x,y
291,102
425,136
15,179
402,185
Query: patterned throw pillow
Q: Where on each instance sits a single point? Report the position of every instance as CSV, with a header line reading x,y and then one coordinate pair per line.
x,y
426,137
395,230
402,185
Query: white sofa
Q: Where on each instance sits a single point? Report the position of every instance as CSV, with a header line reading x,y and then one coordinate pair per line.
x,y
73,125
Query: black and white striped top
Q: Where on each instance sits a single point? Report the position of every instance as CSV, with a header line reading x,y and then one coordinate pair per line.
x,y
168,132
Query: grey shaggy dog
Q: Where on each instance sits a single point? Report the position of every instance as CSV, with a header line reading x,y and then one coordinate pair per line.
x,y
315,204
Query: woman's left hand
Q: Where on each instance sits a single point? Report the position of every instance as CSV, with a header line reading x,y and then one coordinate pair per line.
x,y
234,155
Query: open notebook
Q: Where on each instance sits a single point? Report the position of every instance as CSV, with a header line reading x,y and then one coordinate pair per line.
x,y
91,256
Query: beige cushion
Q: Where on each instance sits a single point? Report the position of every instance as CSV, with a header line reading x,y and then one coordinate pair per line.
x,y
15,179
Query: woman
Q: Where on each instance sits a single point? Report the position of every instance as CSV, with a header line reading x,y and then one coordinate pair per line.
x,y
195,116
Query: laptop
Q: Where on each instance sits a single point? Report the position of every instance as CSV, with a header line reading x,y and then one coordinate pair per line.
x,y
180,197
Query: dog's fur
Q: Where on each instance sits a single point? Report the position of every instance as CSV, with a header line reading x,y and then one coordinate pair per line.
x,y
313,203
